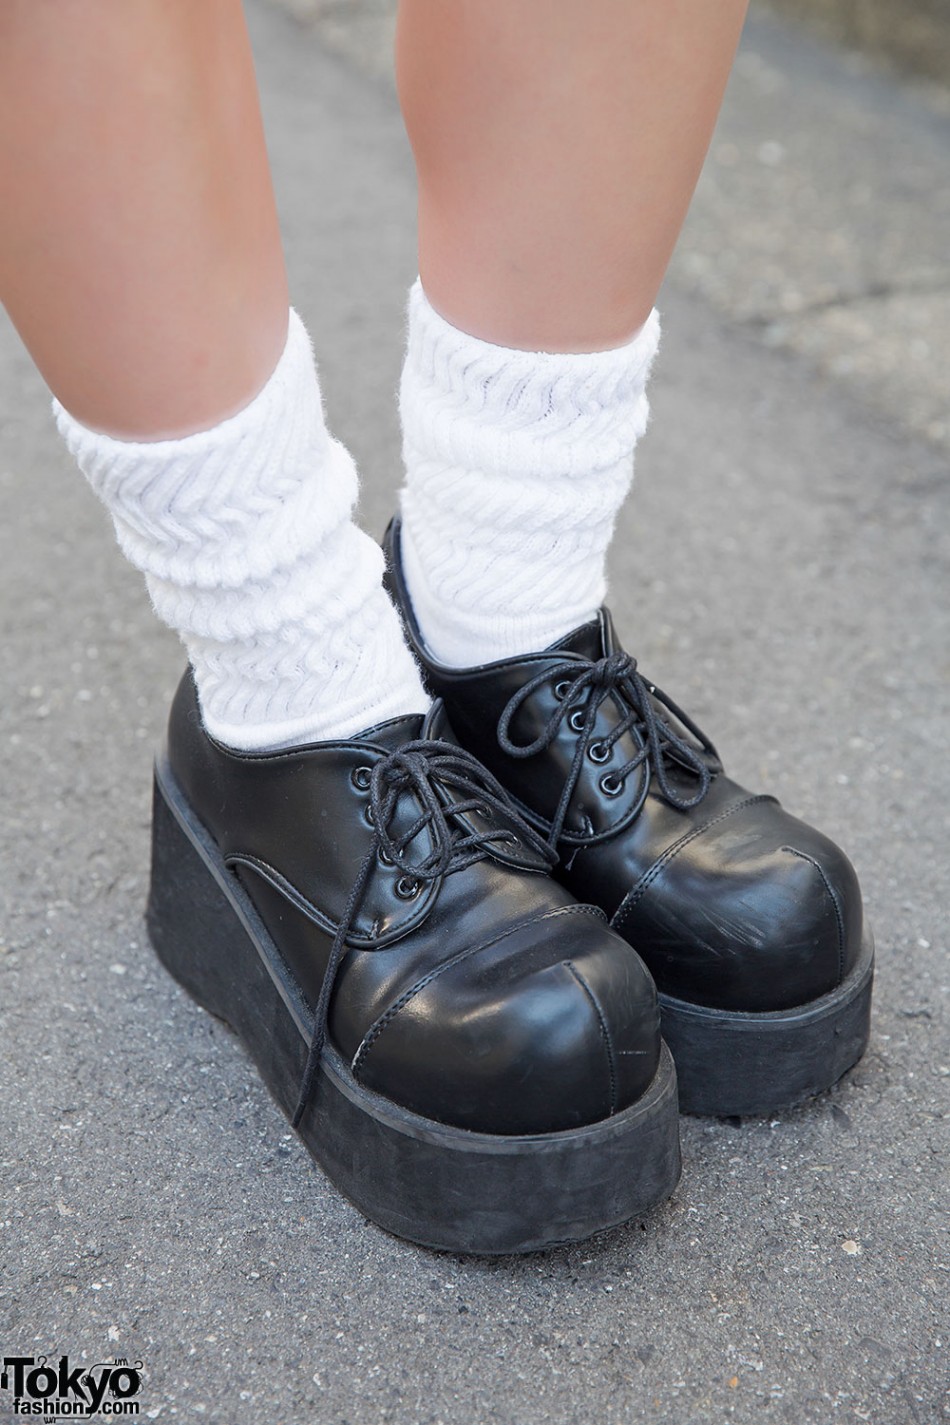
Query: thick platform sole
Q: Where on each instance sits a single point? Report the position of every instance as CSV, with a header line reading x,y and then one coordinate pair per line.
x,y
731,1064
440,1186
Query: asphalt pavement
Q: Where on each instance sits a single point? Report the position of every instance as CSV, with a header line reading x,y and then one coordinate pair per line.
x,y
782,570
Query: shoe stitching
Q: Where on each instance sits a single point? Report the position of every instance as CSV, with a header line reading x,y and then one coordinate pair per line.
x,y
839,917
605,1033
376,1029
296,898
643,885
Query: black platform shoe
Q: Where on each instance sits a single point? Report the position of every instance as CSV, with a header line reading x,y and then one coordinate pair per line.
x,y
749,921
473,1058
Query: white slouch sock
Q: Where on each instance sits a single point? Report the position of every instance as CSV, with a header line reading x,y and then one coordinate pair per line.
x,y
516,465
245,537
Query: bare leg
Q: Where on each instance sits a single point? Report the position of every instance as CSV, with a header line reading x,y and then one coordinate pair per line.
x,y
557,146
140,256
141,260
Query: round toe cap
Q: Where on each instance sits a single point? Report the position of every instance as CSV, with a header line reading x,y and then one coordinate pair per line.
x,y
552,1027
760,918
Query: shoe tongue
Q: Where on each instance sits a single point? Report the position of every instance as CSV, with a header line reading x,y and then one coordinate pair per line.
x,y
399,730
437,725
589,641
394,733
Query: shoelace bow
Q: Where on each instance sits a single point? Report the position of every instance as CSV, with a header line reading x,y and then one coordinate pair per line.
x,y
616,673
413,768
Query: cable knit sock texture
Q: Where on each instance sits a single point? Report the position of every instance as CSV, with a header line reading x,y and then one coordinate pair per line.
x,y
516,465
245,537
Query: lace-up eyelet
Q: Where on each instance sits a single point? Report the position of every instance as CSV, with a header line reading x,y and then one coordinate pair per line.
x,y
598,752
611,785
368,817
511,839
361,778
406,888
561,689
481,810
576,720
384,858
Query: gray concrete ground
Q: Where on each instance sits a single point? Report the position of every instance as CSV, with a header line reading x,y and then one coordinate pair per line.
x,y
822,220
911,35
783,571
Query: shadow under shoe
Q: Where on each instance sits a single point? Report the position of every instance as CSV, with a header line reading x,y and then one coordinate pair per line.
x,y
749,920
472,1056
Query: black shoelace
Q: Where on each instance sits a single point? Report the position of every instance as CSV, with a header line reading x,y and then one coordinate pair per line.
x,y
614,674
413,769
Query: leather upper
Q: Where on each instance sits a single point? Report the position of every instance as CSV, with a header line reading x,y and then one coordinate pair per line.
x,y
482,996
732,902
